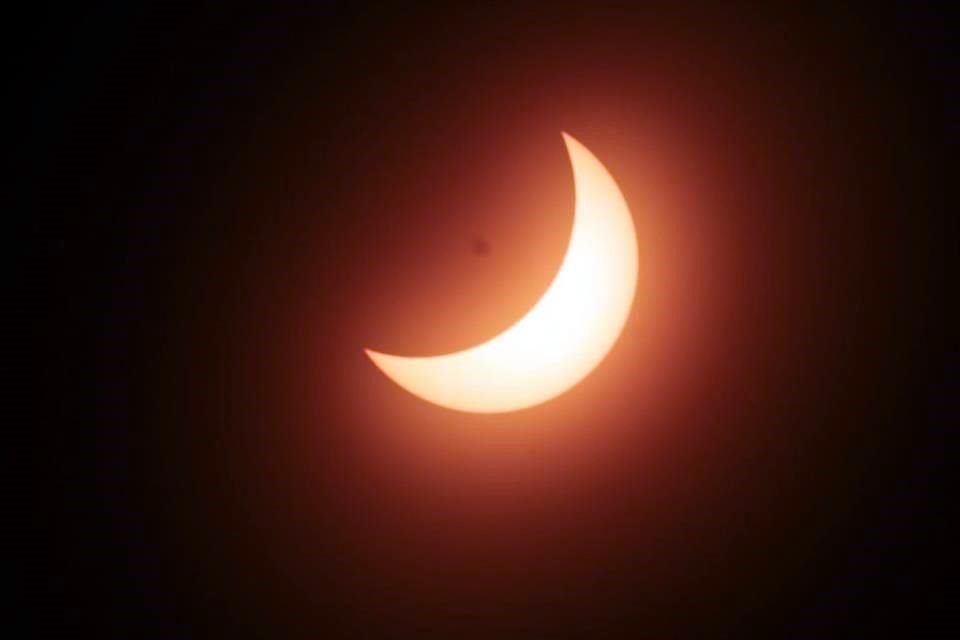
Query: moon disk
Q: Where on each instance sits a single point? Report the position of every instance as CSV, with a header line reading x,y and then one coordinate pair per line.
x,y
565,335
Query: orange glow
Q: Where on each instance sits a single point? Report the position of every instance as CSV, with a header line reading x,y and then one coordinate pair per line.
x,y
565,335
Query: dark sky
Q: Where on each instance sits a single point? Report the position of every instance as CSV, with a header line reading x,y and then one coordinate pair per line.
x,y
232,203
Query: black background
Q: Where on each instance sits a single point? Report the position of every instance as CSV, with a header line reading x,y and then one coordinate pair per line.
x,y
195,162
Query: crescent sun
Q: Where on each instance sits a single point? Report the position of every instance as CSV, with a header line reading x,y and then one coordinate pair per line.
x,y
565,335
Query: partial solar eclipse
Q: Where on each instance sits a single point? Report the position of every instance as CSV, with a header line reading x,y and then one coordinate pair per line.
x,y
568,331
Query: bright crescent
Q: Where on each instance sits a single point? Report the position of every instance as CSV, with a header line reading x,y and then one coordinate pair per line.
x,y
565,335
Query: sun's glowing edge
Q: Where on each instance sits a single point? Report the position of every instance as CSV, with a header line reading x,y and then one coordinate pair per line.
x,y
565,335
